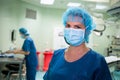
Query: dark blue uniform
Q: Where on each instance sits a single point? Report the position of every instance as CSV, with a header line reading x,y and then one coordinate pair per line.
x,y
31,59
91,66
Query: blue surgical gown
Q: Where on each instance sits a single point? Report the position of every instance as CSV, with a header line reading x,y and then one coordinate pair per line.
x,y
92,66
31,59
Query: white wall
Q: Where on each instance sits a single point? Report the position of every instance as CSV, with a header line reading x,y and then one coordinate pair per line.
x,y
8,21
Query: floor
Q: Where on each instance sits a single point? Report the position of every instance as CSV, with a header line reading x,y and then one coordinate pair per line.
x,y
40,75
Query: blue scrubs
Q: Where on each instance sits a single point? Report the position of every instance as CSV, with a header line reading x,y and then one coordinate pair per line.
x,y
31,59
91,66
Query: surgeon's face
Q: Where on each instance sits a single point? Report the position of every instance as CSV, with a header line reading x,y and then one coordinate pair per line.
x,y
22,36
74,33
75,25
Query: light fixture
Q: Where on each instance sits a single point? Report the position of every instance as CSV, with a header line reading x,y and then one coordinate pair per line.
x,y
98,6
71,4
105,1
47,2
98,33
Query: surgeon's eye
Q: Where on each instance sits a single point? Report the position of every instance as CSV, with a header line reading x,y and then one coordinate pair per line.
x,y
77,27
67,26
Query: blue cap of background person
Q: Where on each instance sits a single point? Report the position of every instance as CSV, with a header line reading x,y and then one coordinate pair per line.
x,y
24,31
76,14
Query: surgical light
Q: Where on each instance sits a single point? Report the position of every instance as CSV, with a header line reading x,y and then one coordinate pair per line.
x,y
47,2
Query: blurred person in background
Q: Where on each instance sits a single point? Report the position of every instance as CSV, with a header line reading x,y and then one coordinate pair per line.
x,y
29,50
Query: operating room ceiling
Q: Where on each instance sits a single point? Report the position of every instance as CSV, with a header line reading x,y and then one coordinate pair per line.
x,y
62,4
93,6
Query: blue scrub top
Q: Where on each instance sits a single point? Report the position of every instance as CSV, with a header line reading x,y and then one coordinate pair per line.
x,y
31,59
92,66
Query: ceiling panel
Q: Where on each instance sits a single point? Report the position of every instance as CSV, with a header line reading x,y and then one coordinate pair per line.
x,y
90,5
62,4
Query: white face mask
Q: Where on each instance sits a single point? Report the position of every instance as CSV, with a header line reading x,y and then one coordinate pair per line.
x,y
22,36
74,37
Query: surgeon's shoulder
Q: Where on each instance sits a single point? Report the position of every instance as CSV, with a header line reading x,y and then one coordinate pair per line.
x,y
29,39
97,56
59,52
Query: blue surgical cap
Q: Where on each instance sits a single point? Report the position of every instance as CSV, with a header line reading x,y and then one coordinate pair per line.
x,y
86,19
24,31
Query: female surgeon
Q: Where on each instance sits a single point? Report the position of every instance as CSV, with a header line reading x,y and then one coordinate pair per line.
x,y
29,50
77,62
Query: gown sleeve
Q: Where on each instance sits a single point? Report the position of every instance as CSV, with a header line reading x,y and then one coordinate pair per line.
x,y
26,46
103,73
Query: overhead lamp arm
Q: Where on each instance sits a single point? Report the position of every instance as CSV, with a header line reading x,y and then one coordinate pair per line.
x,y
100,30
